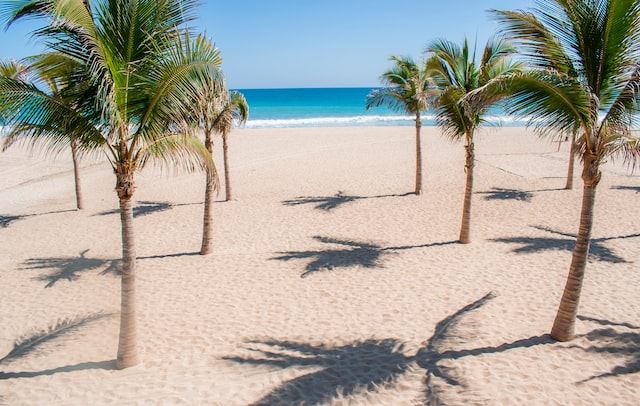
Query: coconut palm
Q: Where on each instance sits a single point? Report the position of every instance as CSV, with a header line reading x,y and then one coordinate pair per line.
x,y
235,110
216,112
468,90
406,89
586,75
142,67
54,80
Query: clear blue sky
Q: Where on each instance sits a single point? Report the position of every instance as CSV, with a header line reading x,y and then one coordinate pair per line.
x,y
319,43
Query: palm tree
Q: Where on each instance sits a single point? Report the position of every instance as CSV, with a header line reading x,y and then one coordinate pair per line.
x,y
142,67
216,111
406,89
59,76
229,107
234,110
468,90
586,75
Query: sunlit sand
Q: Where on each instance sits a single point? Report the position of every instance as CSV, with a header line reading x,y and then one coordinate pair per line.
x,y
330,283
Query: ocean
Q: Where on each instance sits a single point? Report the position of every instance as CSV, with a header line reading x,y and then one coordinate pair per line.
x,y
327,107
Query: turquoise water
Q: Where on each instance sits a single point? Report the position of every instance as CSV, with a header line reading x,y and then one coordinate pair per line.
x,y
316,107
324,107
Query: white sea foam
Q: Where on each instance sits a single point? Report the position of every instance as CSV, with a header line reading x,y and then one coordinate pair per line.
x,y
331,121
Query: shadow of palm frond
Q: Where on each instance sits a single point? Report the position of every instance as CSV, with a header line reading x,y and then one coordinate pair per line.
x,y
5,221
634,188
328,203
338,372
352,254
597,250
617,344
497,193
69,268
603,322
37,341
142,209
108,365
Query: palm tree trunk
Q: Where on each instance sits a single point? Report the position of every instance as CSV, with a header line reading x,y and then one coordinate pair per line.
x,y
76,173
207,223
127,343
418,156
465,229
569,184
227,176
564,324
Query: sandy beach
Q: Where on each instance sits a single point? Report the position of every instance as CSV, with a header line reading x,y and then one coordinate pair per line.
x,y
330,282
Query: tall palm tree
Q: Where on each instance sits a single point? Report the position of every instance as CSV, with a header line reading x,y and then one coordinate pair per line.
x,y
468,90
54,81
586,75
406,89
225,109
217,110
142,67
235,110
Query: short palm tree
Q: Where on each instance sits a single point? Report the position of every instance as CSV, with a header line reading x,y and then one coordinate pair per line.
x,y
586,75
142,66
406,89
468,90
54,81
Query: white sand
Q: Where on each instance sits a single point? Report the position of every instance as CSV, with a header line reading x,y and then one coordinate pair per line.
x,y
382,316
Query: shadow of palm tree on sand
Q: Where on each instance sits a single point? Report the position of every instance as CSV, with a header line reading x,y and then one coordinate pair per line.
x,y
142,209
70,268
358,368
328,203
46,339
597,250
6,221
347,254
634,188
618,344
497,193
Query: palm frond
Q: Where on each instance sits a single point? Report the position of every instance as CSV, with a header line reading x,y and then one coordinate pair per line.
x,y
407,87
12,11
552,101
43,118
625,147
184,151
469,88
537,44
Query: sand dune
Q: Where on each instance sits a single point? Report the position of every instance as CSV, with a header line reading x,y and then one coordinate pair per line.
x,y
330,282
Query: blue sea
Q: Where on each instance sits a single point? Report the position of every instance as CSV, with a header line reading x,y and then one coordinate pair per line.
x,y
325,107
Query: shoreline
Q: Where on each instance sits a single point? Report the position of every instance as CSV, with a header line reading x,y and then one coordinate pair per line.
x,y
387,298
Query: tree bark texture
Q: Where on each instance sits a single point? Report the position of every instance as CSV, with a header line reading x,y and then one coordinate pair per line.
x,y
227,175
127,343
569,184
465,229
207,223
418,156
564,324
76,174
